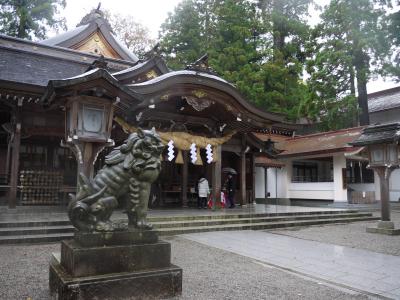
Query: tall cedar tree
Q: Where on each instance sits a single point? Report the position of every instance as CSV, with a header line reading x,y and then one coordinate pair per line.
x,y
226,30
185,33
393,19
30,18
285,21
239,44
351,43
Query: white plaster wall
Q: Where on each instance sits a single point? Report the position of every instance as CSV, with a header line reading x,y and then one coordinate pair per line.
x,y
311,190
271,182
340,194
283,182
276,182
377,187
286,179
260,183
394,185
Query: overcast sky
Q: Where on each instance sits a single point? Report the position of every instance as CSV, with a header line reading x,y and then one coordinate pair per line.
x,y
152,13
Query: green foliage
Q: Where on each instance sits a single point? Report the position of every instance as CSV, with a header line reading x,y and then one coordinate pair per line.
x,y
185,33
237,36
264,47
30,18
393,20
349,45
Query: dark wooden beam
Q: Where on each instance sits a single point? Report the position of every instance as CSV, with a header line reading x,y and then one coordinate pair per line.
x,y
216,177
12,195
153,115
253,184
185,173
243,171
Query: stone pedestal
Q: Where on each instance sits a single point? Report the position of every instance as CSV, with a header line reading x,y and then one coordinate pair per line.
x,y
119,265
384,227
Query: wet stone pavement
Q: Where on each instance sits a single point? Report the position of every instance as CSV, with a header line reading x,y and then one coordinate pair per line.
x,y
358,269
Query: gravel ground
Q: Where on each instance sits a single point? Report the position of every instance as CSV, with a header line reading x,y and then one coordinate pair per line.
x,y
351,235
208,273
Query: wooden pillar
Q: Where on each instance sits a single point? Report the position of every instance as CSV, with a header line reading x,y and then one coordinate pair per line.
x,y
86,155
16,143
7,166
50,156
242,177
253,184
216,176
266,184
185,169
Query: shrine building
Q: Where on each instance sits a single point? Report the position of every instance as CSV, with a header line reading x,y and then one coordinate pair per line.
x,y
210,128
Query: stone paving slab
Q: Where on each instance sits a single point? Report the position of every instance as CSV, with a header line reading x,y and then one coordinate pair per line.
x,y
359,269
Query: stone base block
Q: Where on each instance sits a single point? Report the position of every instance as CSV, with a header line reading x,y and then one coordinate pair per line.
x,y
385,225
383,230
88,261
94,239
145,284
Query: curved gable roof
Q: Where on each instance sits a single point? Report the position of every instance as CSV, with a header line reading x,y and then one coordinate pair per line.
x,y
82,33
177,79
134,73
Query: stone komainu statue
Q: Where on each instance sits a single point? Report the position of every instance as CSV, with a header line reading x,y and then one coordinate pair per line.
x,y
128,173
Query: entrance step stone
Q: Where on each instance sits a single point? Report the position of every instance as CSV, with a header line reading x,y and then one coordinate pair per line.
x,y
51,231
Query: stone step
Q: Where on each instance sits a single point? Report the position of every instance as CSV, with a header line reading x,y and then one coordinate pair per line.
x,y
54,237
261,226
21,228
34,239
233,215
7,231
208,222
152,219
33,224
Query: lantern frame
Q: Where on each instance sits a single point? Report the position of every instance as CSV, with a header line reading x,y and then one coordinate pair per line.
x,y
84,114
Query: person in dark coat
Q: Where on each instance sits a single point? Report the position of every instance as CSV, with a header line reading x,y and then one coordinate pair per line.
x,y
230,189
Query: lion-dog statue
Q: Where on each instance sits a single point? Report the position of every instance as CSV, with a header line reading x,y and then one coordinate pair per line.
x,y
127,174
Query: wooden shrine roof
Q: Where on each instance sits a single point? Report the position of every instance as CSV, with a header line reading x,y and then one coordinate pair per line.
x,y
93,35
319,143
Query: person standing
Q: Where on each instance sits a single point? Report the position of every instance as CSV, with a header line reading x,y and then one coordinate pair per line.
x,y
230,189
204,191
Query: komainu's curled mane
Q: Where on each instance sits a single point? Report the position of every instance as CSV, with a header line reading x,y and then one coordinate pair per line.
x,y
128,173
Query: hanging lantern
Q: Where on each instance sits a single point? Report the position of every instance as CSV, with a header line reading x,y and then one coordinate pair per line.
x,y
179,158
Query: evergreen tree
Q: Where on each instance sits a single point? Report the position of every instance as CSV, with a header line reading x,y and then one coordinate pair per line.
x,y
237,36
186,34
234,52
349,45
393,69
30,18
286,23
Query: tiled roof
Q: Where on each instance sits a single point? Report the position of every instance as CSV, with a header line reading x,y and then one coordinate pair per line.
x,y
31,62
325,142
384,100
264,161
